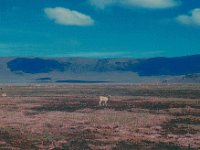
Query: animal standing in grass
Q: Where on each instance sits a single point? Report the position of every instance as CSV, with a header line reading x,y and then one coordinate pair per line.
x,y
3,94
103,100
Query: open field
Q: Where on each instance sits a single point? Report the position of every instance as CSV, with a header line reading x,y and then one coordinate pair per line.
x,y
67,117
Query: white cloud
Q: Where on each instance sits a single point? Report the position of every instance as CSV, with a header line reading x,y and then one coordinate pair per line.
x,y
151,4
193,18
65,16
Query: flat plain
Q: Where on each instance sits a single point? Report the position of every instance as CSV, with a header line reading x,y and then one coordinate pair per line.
x,y
68,117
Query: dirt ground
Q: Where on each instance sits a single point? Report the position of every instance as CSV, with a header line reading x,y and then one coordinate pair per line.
x,y
68,117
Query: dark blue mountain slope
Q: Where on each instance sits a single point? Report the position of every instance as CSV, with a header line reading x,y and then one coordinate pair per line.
x,y
168,66
35,65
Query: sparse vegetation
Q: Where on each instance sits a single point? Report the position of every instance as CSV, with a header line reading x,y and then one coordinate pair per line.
x,y
58,117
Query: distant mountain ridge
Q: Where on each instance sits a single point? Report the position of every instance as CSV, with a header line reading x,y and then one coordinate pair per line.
x,y
144,67
94,70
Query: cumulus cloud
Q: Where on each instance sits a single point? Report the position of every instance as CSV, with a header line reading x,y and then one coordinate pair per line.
x,y
193,18
151,4
65,16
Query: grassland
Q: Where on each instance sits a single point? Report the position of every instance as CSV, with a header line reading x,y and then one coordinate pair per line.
x,y
67,117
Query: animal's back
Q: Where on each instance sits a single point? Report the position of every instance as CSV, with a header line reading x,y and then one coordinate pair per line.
x,y
3,94
103,98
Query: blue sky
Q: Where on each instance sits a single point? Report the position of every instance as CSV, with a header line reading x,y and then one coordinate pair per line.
x,y
99,28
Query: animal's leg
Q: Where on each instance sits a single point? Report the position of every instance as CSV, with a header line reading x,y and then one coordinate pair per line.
x,y
99,103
